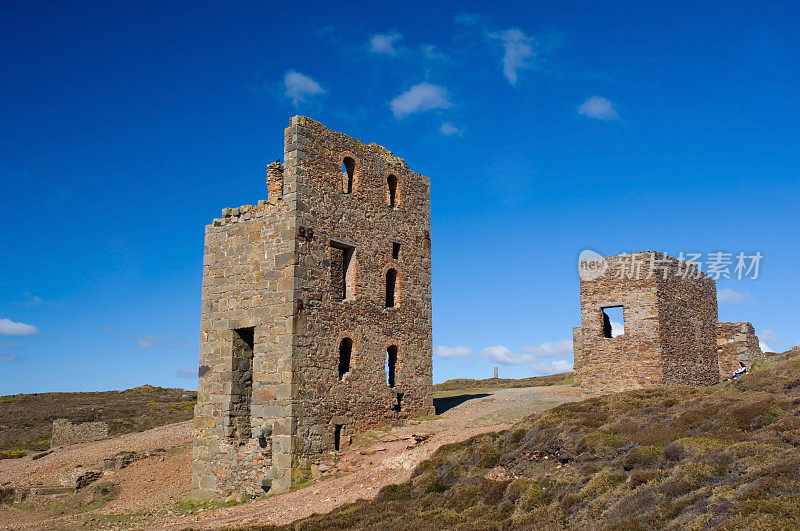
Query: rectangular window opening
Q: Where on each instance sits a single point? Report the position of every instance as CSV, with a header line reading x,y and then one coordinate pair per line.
x,y
613,321
337,436
342,271
241,382
395,250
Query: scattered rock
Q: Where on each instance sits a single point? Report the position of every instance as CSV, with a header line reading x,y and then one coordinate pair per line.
x,y
79,477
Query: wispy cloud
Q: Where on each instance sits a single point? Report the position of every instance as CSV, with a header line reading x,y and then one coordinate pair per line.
x,y
765,347
384,43
298,87
8,358
10,328
519,51
617,329
767,335
468,19
449,129
9,346
599,108
453,352
186,373
159,342
419,98
728,295
429,51
30,300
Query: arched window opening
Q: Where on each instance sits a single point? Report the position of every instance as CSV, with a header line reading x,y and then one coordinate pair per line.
x,y
348,169
391,364
391,282
392,182
345,349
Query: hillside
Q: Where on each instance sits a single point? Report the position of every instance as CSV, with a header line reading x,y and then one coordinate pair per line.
x,y
26,420
677,458
564,378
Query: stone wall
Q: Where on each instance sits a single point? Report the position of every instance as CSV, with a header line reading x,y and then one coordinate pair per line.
x,y
66,433
270,273
736,342
669,321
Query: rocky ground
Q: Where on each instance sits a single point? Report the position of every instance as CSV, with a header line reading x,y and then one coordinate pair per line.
x,y
145,476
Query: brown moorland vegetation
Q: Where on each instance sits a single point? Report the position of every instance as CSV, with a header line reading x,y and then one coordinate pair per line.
x,y
725,457
563,378
26,420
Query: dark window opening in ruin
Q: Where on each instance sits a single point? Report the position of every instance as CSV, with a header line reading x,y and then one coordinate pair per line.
x,y
398,405
342,271
348,169
395,250
345,349
391,364
613,321
391,282
241,382
337,436
392,182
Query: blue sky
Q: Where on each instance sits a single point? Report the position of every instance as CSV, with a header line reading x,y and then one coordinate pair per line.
x,y
545,128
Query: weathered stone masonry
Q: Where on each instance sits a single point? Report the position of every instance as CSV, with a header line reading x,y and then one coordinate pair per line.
x,y
737,343
316,312
671,334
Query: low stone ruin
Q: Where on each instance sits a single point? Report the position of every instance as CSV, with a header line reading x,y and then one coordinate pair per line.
x,y
65,433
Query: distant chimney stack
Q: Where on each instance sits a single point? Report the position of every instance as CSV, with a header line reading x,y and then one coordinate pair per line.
x,y
495,372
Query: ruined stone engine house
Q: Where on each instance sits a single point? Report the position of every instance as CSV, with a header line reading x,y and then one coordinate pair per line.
x,y
667,309
316,313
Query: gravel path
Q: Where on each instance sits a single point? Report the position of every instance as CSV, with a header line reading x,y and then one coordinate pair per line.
x,y
388,460
150,488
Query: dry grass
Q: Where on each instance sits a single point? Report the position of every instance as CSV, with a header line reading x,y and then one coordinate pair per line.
x,y
725,457
27,419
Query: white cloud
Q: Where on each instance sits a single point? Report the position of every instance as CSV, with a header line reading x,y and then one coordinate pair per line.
x,y
453,352
505,356
429,51
767,335
728,295
551,367
562,366
449,129
159,342
8,358
518,52
299,86
598,107
421,97
384,43
764,347
617,329
10,328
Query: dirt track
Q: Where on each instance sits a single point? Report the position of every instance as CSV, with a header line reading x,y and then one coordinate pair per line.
x,y
150,488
